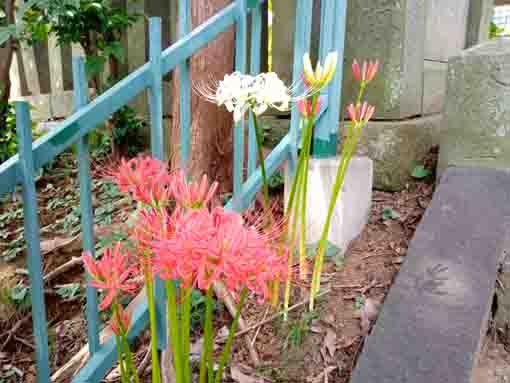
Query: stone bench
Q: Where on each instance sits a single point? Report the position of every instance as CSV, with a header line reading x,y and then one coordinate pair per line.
x,y
433,320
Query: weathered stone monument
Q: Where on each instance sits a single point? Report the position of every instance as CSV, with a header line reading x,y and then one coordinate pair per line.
x,y
413,40
476,127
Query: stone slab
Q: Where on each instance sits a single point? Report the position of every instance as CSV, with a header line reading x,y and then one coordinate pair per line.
x,y
430,327
392,31
476,128
445,30
434,86
397,147
479,19
353,205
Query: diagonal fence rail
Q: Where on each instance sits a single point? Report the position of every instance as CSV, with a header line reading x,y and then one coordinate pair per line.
x,y
19,169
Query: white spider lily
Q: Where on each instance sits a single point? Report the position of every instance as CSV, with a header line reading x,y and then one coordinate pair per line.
x,y
242,92
322,75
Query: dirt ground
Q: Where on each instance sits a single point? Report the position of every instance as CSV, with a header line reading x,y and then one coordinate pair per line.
x,y
322,346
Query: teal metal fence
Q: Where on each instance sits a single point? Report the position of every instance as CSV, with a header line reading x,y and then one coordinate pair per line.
x,y
19,170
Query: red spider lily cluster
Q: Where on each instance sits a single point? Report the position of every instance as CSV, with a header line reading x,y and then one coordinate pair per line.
x,y
193,243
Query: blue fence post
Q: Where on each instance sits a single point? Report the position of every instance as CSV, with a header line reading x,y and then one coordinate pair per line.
x,y
256,38
87,215
304,9
185,86
156,117
32,239
325,134
335,90
240,65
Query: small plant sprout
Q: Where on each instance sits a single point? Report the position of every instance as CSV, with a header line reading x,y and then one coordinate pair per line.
x,y
359,113
194,244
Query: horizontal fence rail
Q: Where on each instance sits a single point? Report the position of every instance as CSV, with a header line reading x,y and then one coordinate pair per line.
x,y
19,170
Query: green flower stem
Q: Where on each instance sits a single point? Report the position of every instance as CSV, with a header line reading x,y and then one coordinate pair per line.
x,y
129,359
185,331
304,181
293,230
339,180
228,346
124,378
260,149
149,286
206,362
174,330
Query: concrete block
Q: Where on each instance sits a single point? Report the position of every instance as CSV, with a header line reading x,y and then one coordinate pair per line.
x,y
445,31
393,32
434,318
434,86
396,147
476,128
353,205
479,19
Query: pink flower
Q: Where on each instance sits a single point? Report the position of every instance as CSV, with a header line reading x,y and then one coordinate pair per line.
x,y
217,246
120,321
146,179
192,195
360,113
305,107
111,273
368,72
150,226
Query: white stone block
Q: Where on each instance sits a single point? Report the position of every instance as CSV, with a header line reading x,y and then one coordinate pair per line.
x,y
352,208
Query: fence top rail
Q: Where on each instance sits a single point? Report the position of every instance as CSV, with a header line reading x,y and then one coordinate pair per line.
x,y
90,116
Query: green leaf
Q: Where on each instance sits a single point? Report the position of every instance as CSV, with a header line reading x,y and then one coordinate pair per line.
x,y
69,291
331,250
420,172
7,32
389,213
94,65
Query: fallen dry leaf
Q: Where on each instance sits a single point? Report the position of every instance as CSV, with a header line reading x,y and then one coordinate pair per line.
x,y
368,313
239,376
330,342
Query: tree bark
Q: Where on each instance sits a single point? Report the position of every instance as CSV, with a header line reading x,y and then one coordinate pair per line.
x,y
211,126
5,63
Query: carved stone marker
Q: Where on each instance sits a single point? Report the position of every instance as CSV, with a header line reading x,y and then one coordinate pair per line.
x,y
392,31
476,126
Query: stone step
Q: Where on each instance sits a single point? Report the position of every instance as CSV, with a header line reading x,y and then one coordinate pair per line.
x,y
435,315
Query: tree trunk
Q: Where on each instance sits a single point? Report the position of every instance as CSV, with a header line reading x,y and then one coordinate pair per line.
x,y
211,126
5,65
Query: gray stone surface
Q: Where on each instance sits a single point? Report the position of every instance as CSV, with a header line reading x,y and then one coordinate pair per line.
x,y
445,31
396,147
476,127
434,86
430,327
284,25
392,31
479,19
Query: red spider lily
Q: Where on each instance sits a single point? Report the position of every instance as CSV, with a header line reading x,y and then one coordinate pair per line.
x,y
111,273
217,246
146,179
305,107
361,113
367,73
120,321
192,195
